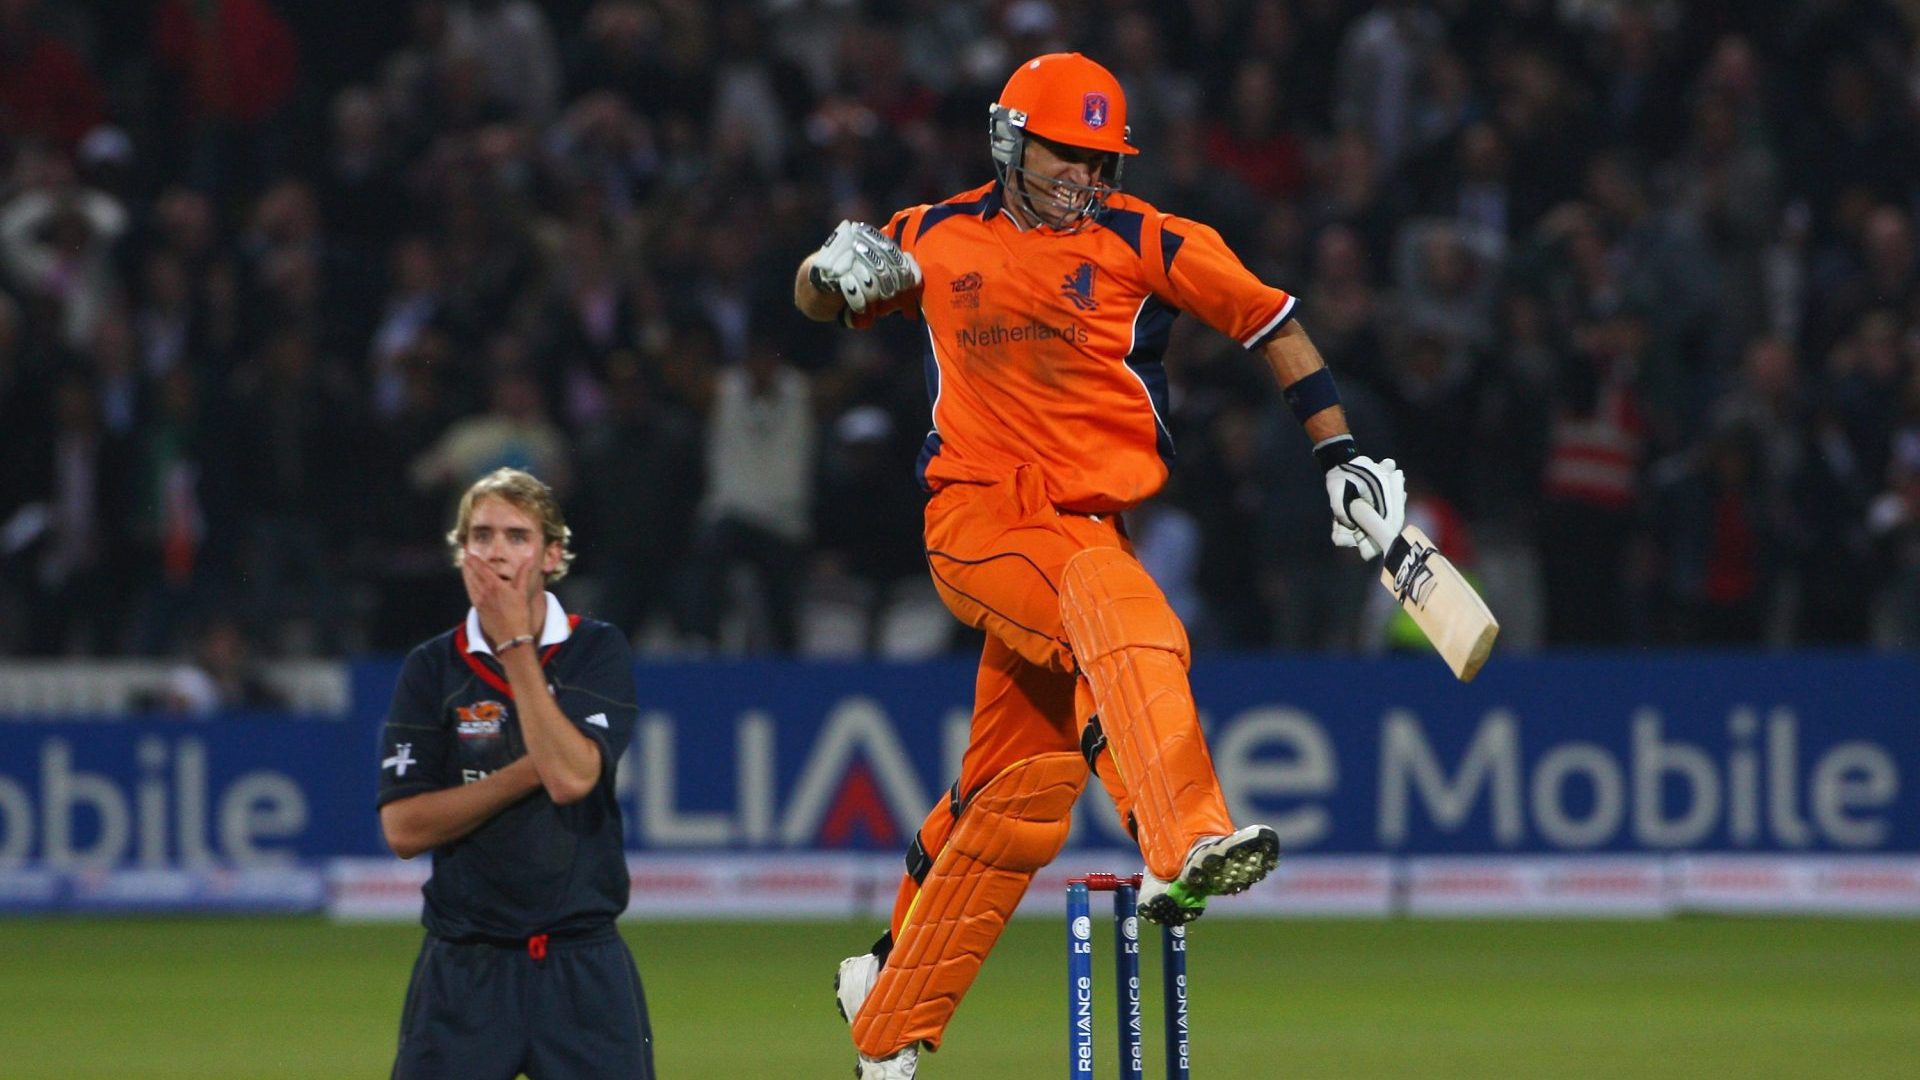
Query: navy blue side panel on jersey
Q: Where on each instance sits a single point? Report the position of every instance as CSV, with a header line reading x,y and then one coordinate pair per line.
x,y
928,451
996,197
1125,224
1170,243
931,365
1151,329
937,214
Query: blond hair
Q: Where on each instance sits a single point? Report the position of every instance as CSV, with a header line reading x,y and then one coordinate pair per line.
x,y
526,493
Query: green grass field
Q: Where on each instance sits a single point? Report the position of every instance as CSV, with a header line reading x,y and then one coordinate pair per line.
x,y
265,999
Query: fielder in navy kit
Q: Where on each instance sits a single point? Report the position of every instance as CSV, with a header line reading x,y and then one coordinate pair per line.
x,y
498,756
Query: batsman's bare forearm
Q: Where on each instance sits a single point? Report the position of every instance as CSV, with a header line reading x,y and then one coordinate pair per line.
x,y
1292,357
423,822
814,304
567,761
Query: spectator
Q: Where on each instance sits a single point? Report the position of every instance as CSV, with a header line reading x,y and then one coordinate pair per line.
x,y
1348,191
397,525
1711,521
1637,92
180,496
1192,186
361,195
1448,275
1435,414
1168,543
643,456
236,64
1879,268
760,468
514,433
514,48
1471,201
169,326
1728,184
867,520
1859,148
589,316
1382,63
290,402
71,527
413,308
56,241
1894,522
758,97
1163,103
619,52
47,91
607,151
221,675
1468,176
1251,140
1224,490
1595,449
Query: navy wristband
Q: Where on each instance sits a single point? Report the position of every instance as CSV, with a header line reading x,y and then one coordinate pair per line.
x,y
1332,451
1310,395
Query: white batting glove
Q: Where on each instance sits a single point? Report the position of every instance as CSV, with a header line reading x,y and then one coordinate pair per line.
x,y
863,265
1381,488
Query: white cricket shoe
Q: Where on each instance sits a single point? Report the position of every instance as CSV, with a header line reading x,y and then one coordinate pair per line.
x,y
853,982
900,1066
1215,866
851,985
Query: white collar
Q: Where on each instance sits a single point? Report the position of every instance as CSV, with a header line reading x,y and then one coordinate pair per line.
x,y
556,631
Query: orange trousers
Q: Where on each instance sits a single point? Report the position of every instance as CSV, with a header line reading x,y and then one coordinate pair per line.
x,y
996,553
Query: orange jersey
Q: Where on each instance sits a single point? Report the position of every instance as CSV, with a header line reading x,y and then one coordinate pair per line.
x,y
1044,346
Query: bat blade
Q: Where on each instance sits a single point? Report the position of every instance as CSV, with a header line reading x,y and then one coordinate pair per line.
x,y
1441,602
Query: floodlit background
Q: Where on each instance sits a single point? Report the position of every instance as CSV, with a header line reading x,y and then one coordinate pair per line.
x,y
1628,287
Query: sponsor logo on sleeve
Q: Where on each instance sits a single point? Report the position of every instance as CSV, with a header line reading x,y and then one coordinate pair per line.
x,y
401,760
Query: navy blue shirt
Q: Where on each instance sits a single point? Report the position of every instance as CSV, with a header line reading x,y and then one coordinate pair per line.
x,y
535,867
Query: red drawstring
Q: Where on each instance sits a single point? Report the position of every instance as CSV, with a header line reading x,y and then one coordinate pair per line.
x,y
537,946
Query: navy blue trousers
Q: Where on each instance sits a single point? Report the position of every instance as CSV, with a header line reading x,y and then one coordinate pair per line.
x,y
573,1010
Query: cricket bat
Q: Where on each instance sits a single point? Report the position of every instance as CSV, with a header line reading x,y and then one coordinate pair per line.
x,y
1434,593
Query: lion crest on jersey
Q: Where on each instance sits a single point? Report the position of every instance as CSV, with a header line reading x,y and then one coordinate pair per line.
x,y
1078,287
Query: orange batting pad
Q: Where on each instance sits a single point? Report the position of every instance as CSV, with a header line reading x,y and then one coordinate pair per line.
x,y
1133,651
1015,825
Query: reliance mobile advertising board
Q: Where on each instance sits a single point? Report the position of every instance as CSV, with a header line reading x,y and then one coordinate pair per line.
x,y
1605,785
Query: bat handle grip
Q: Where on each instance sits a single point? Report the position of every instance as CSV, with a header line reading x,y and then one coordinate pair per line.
x,y
1365,516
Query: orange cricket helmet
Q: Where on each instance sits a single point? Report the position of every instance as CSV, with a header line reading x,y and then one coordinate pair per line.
x,y
1069,99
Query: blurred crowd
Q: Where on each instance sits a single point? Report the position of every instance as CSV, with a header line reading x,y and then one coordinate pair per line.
x,y
1627,286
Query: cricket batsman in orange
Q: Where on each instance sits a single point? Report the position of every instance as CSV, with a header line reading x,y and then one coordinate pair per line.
x,y
1047,297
